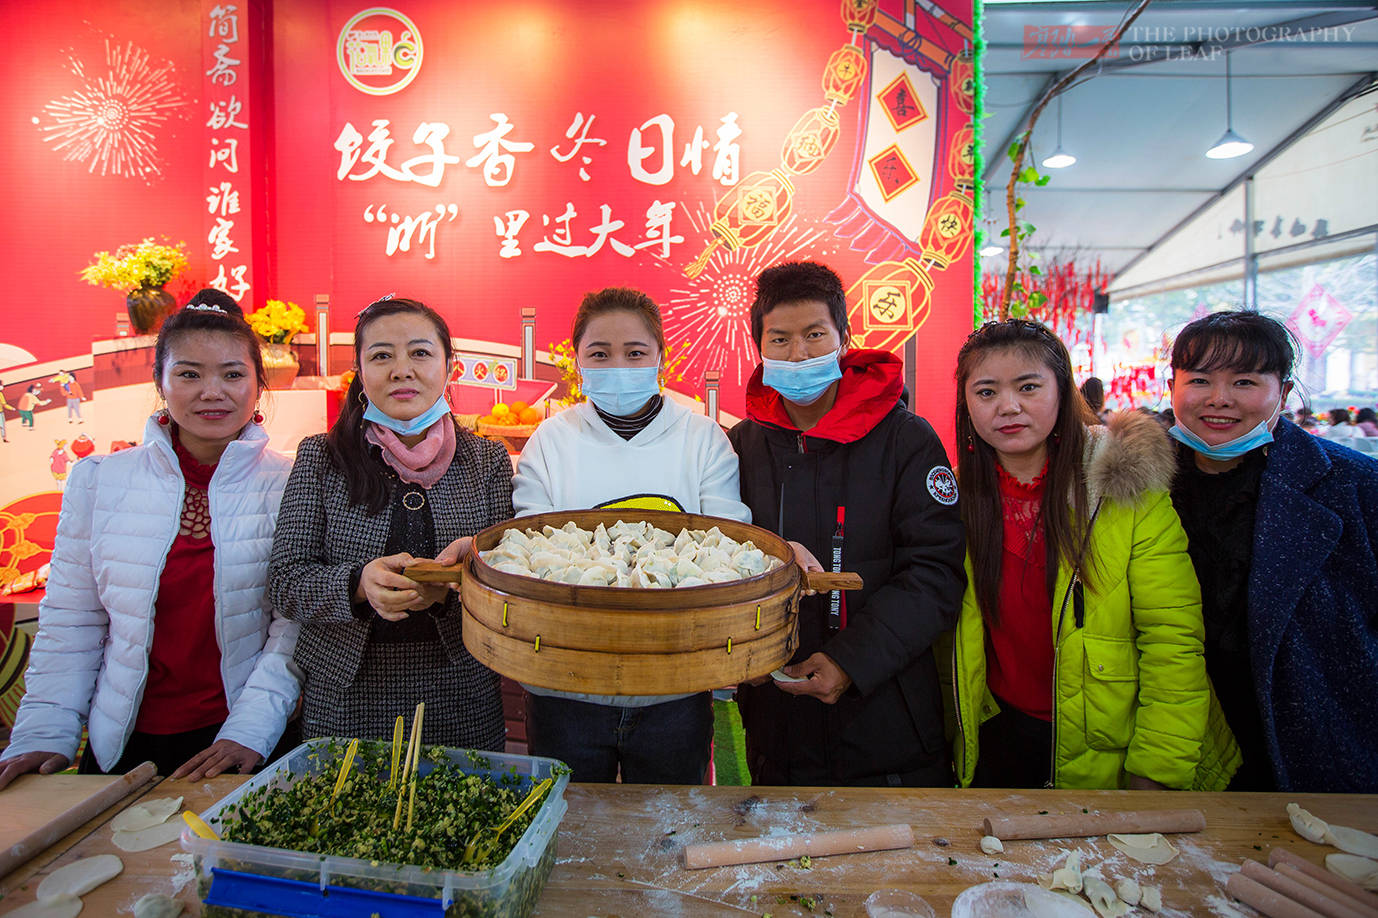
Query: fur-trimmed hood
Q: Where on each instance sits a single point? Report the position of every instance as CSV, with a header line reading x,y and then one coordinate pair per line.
x,y
1128,457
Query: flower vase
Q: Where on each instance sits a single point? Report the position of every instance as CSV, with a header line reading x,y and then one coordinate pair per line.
x,y
148,307
280,365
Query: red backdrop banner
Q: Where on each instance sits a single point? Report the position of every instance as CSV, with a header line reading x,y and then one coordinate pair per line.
x,y
489,157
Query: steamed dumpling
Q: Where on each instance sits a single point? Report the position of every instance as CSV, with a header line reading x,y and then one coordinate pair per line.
x,y
542,562
750,561
598,575
691,582
685,568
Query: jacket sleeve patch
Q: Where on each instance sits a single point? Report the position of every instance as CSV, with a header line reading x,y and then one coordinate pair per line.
x,y
942,485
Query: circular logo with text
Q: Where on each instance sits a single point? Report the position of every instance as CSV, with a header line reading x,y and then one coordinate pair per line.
x,y
379,51
942,484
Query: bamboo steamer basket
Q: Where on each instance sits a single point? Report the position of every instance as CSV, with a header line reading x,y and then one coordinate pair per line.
x,y
627,640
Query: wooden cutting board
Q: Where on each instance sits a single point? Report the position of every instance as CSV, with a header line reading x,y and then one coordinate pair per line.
x,y
33,800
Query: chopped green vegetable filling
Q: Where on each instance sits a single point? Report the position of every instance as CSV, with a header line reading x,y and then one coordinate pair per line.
x,y
454,822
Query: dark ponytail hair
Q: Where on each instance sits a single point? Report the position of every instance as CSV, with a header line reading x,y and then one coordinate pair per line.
x,y
366,478
210,310
1064,525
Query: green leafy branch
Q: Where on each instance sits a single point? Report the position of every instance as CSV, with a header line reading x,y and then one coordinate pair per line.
x,y
1017,232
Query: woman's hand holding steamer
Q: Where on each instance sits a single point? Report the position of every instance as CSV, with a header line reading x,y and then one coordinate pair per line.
x,y
394,596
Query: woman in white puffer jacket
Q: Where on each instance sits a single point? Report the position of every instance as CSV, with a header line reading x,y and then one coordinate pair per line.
x,y
155,629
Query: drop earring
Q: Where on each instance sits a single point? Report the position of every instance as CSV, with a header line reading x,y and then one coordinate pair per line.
x,y
258,417
164,419
971,445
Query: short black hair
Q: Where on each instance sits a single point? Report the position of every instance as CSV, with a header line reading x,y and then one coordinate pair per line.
x,y
793,281
1366,414
1238,340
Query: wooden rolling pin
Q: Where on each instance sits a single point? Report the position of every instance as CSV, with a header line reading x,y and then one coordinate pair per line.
x,y
1320,886
1327,903
1082,825
434,572
1268,902
784,847
54,829
1285,857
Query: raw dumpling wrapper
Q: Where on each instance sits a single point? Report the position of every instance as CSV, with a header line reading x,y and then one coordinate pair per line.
x,y
80,877
146,814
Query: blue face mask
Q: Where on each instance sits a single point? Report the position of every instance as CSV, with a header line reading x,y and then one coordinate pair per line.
x,y
620,391
802,382
1261,435
406,428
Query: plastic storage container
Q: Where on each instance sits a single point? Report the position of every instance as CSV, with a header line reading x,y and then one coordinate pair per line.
x,y
235,879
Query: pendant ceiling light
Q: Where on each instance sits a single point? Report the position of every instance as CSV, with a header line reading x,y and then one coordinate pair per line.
x,y
1059,158
1230,144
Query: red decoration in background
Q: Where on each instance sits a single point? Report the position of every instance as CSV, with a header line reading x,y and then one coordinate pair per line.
x,y
1070,290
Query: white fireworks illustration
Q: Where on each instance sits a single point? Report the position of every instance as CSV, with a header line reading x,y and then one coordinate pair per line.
x,y
111,120
713,313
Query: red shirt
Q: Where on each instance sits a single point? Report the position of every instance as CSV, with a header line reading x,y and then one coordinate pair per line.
x,y
184,689
1019,664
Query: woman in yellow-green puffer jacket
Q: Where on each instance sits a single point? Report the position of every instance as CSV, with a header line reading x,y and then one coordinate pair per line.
x,y
1077,658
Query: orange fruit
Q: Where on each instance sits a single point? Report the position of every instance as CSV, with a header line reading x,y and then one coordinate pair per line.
x,y
519,407
530,416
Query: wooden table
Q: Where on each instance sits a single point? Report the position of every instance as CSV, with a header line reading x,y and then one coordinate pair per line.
x,y
618,847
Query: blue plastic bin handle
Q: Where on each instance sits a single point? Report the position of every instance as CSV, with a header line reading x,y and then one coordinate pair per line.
x,y
299,899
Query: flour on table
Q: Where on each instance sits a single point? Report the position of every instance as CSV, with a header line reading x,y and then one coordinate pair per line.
x,y
186,871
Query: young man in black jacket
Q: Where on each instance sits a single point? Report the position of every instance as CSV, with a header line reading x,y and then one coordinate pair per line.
x,y
832,459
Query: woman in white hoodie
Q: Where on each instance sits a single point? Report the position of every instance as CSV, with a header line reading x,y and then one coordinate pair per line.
x,y
155,631
628,445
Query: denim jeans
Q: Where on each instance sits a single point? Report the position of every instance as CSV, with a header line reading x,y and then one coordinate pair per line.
x,y
666,743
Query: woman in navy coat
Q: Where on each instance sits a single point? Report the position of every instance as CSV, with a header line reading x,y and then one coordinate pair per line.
x,y
1283,530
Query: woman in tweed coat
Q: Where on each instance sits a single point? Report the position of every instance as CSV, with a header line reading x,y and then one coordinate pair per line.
x,y
1283,530
394,480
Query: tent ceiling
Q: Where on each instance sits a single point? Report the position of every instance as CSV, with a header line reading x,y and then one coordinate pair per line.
x,y
1139,125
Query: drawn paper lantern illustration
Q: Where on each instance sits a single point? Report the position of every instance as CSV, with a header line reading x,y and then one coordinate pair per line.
x,y
963,82
844,74
858,14
810,140
747,214
889,303
961,158
946,235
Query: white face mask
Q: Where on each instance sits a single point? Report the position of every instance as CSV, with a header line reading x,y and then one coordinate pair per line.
x,y
1261,435
619,391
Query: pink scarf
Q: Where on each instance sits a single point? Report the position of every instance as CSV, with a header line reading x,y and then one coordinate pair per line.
x,y
422,464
